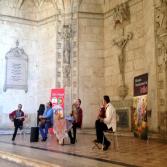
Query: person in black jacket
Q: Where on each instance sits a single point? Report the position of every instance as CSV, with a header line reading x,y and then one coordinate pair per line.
x,y
40,112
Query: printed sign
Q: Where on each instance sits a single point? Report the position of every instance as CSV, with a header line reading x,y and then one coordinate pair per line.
x,y
57,99
141,85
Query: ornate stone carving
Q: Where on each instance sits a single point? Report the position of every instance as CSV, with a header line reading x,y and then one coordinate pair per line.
x,y
161,17
163,124
121,14
67,50
66,75
67,35
16,69
161,48
123,91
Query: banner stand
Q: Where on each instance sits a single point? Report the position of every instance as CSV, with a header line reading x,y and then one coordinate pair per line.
x,y
57,99
139,110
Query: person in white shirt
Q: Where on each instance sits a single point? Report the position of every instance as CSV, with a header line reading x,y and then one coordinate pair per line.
x,y
105,123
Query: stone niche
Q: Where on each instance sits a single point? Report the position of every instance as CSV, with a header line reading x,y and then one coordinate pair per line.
x,y
123,111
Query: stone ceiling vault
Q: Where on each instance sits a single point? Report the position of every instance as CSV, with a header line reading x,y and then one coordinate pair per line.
x,y
58,4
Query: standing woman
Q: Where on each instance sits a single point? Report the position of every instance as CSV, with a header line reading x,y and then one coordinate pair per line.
x,y
40,112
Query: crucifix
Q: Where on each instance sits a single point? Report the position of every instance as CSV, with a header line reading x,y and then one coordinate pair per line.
x,y
121,44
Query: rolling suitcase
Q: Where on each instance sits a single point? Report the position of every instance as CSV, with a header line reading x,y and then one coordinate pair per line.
x,y
34,135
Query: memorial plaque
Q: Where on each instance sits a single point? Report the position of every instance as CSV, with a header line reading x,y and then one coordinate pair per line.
x,y
16,69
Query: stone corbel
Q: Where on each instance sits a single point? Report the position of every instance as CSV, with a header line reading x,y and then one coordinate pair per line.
x,y
121,14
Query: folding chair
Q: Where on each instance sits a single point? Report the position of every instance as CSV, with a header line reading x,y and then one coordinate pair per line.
x,y
96,145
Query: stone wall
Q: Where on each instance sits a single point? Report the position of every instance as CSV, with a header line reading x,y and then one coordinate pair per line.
x,y
100,35
37,39
10,98
46,61
91,63
139,51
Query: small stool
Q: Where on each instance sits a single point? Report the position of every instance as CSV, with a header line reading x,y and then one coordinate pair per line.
x,y
112,137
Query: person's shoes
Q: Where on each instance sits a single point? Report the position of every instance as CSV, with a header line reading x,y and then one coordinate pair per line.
x,y
96,141
72,141
13,139
44,139
106,146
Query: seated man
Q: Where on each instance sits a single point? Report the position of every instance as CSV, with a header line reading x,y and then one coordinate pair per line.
x,y
46,121
77,123
17,116
107,123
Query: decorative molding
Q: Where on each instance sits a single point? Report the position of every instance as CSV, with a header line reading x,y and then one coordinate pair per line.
x,y
89,15
37,3
24,21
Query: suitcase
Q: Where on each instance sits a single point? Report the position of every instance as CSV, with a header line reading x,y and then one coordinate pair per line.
x,y
34,135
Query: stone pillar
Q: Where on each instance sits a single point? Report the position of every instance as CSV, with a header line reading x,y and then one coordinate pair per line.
x,y
67,51
161,60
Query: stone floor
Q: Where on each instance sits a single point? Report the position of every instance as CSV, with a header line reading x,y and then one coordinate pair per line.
x,y
132,152
6,163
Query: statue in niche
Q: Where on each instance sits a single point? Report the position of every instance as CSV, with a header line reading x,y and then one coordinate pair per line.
x,y
121,43
16,69
161,18
120,14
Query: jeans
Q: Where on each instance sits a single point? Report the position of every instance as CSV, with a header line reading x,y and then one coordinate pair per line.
x,y
44,130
